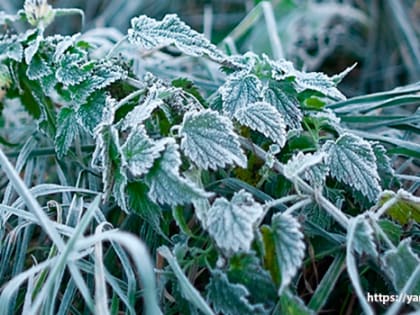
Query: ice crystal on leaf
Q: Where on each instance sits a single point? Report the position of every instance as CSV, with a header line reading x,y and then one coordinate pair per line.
x,y
231,223
352,161
166,185
264,118
148,33
209,141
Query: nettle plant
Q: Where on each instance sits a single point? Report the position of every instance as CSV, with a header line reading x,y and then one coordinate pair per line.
x,y
253,192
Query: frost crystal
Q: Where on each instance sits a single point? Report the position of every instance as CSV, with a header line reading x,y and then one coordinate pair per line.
x,y
209,141
151,34
231,223
352,161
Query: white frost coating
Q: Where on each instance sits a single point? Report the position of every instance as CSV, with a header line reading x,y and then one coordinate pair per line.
x,y
151,34
240,90
286,103
209,141
140,152
289,246
352,161
143,111
264,118
231,223
363,241
165,183
319,82
300,163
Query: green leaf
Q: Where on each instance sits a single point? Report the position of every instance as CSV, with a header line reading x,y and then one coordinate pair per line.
x,y
228,298
67,129
264,118
209,141
89,115
143,111
352,161
288,245
319,82
12,49
71,71
140,152
283,98
32,49
102,75
140,203
231,223
107,149
166,184
400,264
38,68
405,209
363,241
302,164
239,91
384,164
151,34
246,269
189,87
119,188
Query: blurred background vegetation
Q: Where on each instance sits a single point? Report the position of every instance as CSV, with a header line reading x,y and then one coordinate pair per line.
x,y
382,37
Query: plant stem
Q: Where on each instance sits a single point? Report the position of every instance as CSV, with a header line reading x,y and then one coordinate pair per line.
x,y
336,213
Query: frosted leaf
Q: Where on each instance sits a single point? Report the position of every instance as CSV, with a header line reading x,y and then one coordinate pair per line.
x,y
71,71
63,45
247,61
12,49
231,223
319,82
32,49
384,163
106,143
264,118
289,247
67,128
119,188
142,111
280,69
151,34
102,75
400,264
363,241
38,68
89,115
209,141
139,151
165,183
316,175
283,98
239,91
300,163
352,161
229,298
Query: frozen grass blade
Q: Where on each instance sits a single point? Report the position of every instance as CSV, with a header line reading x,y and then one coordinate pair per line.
x,y
189,292
42,297
101,299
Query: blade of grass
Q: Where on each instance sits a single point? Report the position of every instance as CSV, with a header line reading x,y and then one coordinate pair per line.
x,y
328,282
187,288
